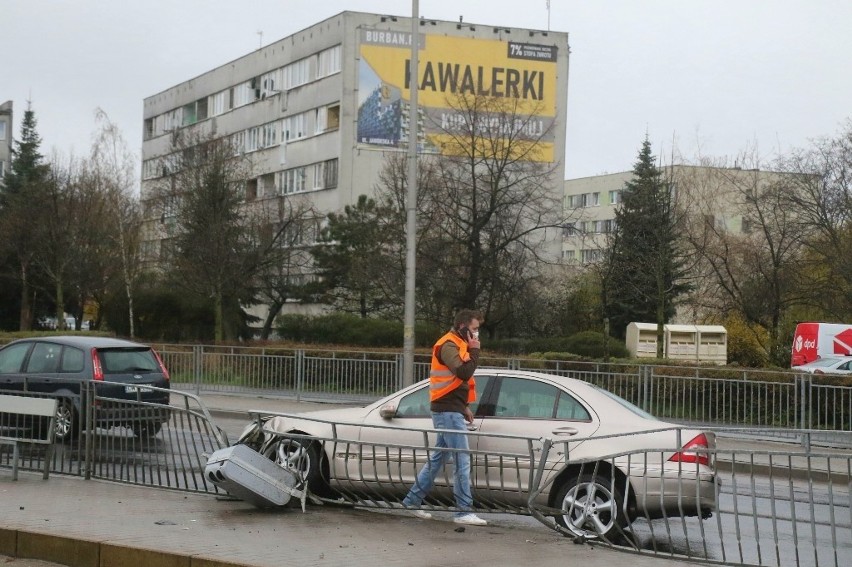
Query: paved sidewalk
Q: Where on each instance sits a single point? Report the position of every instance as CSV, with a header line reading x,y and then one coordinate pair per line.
x,y
101,524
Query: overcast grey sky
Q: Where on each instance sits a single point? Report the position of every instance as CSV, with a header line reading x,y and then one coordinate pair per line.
x,y
716,76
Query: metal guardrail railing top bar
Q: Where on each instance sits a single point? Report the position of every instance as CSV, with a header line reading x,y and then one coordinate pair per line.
x,y
722,396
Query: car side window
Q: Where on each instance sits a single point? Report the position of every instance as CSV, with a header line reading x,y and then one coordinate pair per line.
x,y
12,357
569,408
72,360
520,397
44,358
417,404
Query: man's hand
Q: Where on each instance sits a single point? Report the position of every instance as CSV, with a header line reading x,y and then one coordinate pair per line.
x,y
468,415
472,342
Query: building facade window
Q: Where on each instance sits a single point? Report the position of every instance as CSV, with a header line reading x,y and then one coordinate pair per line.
x,y
269,136
269,83
2,130
219,103
294,127
615,197
238,140
325,174
2,169
328,62
297,73
584,200
150,169
292,180
252,139
590,255
244,93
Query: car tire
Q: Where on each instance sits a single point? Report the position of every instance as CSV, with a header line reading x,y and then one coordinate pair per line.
x,y
65,422
593,507
304,459
147,429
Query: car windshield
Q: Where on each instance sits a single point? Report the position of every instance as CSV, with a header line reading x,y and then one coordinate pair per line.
x,y
637,410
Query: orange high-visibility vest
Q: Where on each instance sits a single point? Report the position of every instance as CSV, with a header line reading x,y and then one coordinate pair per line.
x,y
441,380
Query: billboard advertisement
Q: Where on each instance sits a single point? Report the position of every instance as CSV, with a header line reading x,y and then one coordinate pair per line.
x,y
515,82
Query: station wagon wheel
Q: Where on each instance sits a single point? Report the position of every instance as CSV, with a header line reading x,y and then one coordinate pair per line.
x,y
593,507
302,458
65,422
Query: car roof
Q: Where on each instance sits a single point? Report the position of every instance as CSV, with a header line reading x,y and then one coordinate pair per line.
x,y
824,361
570,382
83,342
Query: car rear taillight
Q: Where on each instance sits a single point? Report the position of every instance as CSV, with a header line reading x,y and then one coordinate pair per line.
x,y
162,366
690,452
97,369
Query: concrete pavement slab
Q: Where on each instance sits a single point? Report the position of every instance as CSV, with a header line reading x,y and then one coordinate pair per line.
x,y
133,525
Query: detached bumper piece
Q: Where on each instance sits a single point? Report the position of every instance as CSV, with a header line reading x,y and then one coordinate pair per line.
x,y
246,474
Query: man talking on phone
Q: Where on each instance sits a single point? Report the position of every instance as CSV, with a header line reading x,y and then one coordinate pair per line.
x,y
451,391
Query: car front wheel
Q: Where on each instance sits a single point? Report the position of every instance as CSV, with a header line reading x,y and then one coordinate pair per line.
x,y
592,507
303,459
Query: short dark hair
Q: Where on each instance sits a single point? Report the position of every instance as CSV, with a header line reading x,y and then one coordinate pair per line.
x,y
465,316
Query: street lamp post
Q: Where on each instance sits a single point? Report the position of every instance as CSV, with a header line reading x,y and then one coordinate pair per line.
x,y
411,204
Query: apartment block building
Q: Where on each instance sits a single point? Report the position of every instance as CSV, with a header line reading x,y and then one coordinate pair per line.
x,y
6,137
320,110
705,194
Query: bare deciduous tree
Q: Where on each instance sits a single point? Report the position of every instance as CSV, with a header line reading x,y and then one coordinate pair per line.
x,y
112,168
487,212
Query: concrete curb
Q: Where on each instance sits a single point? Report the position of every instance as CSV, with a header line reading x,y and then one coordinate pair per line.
x,y
80,552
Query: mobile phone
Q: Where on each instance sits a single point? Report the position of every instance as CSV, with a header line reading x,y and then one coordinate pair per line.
x,y
464,331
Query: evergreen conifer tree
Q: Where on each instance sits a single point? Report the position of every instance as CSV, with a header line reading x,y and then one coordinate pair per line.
x,y
646,273
20,210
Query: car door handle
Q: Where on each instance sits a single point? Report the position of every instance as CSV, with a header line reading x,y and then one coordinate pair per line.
x,y
566,431
472,427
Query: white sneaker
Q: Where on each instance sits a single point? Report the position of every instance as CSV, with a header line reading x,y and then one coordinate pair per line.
x,y
422,514
470,520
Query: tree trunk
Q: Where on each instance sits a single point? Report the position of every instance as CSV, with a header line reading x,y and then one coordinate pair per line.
x,y
219,318
661,317
26,307
266,330
60,306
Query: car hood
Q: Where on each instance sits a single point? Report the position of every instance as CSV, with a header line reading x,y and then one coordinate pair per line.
x,y
316,423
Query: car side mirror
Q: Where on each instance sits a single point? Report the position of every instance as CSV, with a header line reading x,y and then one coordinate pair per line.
x,y
388,411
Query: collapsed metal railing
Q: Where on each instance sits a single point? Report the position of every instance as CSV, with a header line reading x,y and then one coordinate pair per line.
x,y
128,440
770,507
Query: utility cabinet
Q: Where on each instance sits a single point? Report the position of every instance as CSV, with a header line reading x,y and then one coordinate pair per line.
x,y
642,340
697,343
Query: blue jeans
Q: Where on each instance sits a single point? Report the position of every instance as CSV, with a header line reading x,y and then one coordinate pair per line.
x,y
437,458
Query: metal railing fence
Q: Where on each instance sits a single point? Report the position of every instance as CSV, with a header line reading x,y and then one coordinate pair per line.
x,y
702,395
772,507
126,440
763,508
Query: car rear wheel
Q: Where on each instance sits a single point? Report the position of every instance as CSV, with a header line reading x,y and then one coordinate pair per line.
x,y
303,458
66,421
592,507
